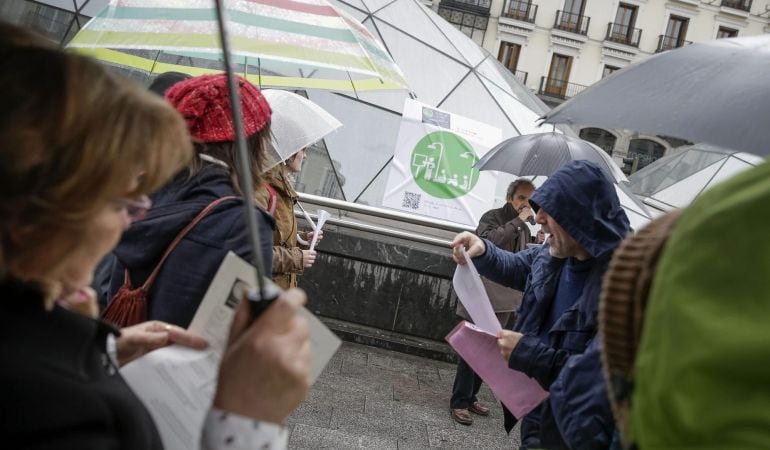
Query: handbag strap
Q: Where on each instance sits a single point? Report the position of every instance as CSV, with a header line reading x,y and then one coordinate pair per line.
x,y
179,238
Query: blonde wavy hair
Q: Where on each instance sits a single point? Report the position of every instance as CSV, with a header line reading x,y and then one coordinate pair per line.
x,y
74,137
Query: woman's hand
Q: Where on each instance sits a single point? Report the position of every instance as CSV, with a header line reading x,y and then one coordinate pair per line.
x,y
265,371
309,236
82,301
137,340
308,258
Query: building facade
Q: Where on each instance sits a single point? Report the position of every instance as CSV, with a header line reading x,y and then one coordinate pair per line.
x,y
558,47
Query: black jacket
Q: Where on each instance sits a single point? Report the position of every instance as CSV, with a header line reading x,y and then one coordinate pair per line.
x,y
59,389
504,227
184,278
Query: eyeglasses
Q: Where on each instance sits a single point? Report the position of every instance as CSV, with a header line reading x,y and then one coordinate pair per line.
x,y
136,208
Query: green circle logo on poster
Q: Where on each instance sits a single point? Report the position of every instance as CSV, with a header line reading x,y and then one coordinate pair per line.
x,y
442,165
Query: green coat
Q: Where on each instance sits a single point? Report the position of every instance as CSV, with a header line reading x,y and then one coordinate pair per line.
x,y
702,375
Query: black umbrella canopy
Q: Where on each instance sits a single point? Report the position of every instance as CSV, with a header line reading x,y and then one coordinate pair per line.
x,y
716,92
542,154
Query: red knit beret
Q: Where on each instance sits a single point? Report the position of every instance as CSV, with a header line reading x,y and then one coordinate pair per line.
x,y
204,102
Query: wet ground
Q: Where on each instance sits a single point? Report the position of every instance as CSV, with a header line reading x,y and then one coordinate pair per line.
x,y
368,397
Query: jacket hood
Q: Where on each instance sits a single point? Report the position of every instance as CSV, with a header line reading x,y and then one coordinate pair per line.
x,y
174,206
583,201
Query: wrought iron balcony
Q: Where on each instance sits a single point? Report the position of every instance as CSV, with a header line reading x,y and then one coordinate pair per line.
x,y
562,89
480,7
623,34
518,10
743,5
575,23
670,42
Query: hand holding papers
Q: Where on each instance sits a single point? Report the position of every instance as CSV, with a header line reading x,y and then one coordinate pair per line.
x,y
178,384
323,215
470,290
477,345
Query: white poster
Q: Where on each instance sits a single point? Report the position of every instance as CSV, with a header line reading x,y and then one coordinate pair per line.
x,y
432,169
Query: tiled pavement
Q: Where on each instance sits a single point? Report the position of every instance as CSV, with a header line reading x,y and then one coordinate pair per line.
x,y
379,399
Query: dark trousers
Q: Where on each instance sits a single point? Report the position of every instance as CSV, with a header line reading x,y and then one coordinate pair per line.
x,y
467,383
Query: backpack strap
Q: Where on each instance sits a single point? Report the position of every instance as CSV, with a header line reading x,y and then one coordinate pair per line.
x,y
179,237
272,203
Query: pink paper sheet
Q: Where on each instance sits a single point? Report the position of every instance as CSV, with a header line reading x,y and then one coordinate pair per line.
x,y
518,392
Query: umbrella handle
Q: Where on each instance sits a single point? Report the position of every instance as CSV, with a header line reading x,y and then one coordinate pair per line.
x,y
260,299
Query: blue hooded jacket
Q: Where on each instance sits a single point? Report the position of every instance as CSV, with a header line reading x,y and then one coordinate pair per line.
x,y
185,276
583,201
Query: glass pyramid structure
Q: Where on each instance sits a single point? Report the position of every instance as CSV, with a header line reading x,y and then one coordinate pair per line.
x,y
444,68
676,180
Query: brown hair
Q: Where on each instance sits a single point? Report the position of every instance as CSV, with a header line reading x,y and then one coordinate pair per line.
x,y
227,152
72,138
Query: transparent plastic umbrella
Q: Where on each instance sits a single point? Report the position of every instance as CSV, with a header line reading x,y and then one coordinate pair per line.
x,y
296,123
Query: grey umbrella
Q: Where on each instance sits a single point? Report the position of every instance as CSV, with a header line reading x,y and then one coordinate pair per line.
x,y
543,154
716,92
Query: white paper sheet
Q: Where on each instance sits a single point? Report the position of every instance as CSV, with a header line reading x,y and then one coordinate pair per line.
x,y
470,290
177,384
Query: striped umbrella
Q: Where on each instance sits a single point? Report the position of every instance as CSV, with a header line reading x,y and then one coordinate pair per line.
x,y
275,43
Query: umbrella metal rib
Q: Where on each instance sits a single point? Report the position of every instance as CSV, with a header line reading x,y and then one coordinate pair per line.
x,y
247,182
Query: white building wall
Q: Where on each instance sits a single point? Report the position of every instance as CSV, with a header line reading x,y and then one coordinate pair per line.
x,y
539,41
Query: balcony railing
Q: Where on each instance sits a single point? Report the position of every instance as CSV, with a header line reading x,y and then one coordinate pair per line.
x,y
743,5
623,34
670,42
521,76
563,89
575,23
474,6
518,10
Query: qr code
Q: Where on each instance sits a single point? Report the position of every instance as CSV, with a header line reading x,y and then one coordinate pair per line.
x,y
411,200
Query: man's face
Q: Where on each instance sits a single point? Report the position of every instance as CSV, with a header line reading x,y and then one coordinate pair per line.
x,y
562,244
521,197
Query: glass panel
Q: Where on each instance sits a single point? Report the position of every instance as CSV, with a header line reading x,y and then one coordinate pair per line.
x,y
408,16
648,181
319,175
374,193
353,7
363,144
429,73
472,100
471,52
349,5
497,74
374,5
684,192
523,118
691,162
732,167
